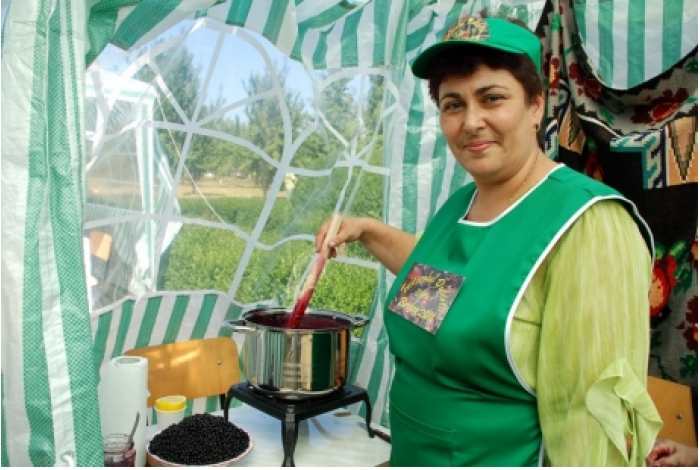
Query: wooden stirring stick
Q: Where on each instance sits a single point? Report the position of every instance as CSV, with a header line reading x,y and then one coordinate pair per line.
x,y
308,289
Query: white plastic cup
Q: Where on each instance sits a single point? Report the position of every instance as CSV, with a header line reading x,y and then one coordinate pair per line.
x,y
170,410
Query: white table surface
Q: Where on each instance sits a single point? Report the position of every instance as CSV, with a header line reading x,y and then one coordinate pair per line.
x,y
333,439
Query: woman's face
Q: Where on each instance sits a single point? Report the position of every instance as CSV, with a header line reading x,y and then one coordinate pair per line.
x,y
488,123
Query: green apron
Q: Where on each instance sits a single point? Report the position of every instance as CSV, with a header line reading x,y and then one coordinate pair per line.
x,y
456,398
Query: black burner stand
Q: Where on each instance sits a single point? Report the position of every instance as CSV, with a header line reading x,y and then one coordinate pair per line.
x,y
290,412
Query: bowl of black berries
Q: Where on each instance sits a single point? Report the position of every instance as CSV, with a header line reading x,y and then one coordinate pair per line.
x,y
199,440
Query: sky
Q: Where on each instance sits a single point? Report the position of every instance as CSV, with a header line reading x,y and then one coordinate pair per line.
x,y
237,60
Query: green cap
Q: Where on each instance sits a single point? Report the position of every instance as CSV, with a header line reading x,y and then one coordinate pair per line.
x,y
495,33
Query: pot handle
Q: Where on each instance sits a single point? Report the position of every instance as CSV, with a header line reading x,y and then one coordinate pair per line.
x,y
238,326
359,320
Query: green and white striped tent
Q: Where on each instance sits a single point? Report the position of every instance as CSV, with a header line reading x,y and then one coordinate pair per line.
x,y
59,100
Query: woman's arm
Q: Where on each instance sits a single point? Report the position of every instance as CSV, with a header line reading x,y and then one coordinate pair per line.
x,y
594,344
389,245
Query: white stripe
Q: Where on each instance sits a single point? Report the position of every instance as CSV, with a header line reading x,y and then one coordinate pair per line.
x,y
217,317
111,337
394,20
59,378
430,130
287,36
365,43
184,11
199,405
165,313
17,78
418,21
397,146
334,51
653,39
690,26
620,44
369,352
193,307
308,47
257,16
592,41
134,326
311,8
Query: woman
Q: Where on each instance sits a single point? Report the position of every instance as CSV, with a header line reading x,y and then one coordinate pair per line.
x,y
519,319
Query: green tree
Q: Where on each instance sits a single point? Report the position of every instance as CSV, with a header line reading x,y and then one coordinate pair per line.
x,y
265,122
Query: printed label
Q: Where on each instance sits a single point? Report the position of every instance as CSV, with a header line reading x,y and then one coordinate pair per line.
x,y
425,296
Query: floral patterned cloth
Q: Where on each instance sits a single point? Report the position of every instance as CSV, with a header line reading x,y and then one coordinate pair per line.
x,y
643,142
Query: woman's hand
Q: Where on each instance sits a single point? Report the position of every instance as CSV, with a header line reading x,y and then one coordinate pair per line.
x,y
669,453
389,245
350,230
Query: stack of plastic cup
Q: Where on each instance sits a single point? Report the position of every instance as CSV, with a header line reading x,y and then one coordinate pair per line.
x,y
170,410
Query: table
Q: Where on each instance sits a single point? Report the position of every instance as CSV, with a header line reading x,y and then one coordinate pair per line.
x,y
332,439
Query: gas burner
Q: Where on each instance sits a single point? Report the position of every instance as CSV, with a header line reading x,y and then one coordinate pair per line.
x,y
290,412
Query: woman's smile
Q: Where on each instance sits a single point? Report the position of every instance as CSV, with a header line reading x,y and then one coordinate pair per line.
x,y
478,146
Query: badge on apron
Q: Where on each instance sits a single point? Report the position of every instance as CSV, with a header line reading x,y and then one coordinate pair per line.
x,y
425,296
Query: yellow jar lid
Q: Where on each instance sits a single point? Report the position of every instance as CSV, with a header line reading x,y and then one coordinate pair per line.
x,y
171,403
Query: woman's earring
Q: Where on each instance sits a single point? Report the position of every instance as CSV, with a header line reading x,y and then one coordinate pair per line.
x,y
537,127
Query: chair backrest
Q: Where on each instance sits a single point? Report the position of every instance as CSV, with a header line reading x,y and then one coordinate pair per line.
x,y
196,368
674,402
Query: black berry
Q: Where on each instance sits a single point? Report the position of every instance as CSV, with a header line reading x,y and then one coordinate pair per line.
x,y
200,439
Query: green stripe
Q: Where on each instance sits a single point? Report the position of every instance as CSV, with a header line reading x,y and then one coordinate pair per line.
x,y
381,14
148,322
104,323
176,318
37,398
123,328
417,37
399,37
438,164
296,50
580,17
606,41
205,312
319,58
77,334
635,44
238,12
414,133
375,381
144,17
101,23
212,403
275,18
673,32
348,44
325,18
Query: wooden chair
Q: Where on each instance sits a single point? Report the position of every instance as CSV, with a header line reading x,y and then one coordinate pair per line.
x,y
196,368
674,402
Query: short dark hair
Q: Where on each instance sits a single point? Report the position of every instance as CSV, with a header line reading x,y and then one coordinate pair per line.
x,y
464,64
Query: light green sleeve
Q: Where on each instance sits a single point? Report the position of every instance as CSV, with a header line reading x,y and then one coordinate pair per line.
x,y
581,338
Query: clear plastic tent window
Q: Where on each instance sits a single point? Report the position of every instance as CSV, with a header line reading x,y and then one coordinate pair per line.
x,y
214,158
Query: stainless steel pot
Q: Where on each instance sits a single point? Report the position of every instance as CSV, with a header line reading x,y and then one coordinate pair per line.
x,y
296,363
